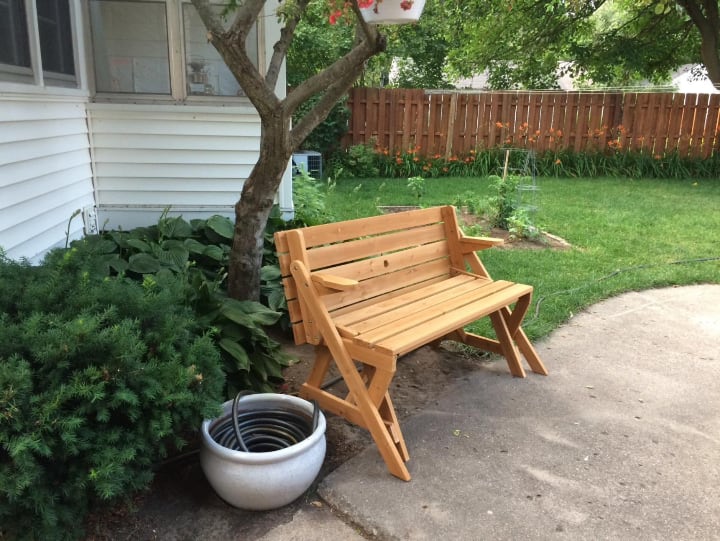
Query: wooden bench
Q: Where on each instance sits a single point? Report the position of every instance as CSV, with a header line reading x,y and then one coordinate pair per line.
x,y
367,291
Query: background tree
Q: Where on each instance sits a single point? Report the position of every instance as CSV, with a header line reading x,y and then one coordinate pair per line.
x,y
279,137
609,42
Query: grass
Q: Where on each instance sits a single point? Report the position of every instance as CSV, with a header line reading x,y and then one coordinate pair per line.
x,y
627,235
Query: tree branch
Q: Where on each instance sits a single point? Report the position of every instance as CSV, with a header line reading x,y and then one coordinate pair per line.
x,y
357,56
696,14
246,15
319,112
212,20
231,46
281,47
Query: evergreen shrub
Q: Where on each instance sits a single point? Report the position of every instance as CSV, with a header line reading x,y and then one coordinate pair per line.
x,y
100,377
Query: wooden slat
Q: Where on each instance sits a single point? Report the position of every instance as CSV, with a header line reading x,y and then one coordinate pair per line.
x,y
326,256
387,283
441,323
352,318
363,227
445,293
410,321
711,125
391,263
385,296
698,130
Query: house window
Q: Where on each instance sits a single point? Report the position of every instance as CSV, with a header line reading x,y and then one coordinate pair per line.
x,y
14,44
130,47
158,48
51,22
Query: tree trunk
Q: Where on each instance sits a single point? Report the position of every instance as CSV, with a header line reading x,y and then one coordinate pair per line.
x,y
277,142
711,56
704,15
253,208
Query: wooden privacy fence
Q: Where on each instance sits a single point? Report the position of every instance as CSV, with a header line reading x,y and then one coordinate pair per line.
x,y
447,123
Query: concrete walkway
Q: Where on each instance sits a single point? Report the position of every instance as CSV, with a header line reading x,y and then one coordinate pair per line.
x,y
620,441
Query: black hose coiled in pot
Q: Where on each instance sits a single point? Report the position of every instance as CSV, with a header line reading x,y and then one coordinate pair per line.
x,y
263,430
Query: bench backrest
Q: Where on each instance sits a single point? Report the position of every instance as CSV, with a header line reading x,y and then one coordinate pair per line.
x,y
389,255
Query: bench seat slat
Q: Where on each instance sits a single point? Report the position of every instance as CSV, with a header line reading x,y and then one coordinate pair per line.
x,y
406,320
358,319
386,283
403,336
386,296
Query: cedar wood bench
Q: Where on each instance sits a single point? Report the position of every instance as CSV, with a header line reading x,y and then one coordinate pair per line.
x,y
370,290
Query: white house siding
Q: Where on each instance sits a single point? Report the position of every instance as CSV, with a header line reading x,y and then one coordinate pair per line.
x,y
190,159
45,173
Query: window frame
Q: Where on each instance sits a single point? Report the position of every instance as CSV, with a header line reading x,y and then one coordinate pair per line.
x,y
39,80
176,59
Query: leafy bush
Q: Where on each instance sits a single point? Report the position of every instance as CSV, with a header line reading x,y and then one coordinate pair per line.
x,y
504,202
309,202
99,378
198,253
357,161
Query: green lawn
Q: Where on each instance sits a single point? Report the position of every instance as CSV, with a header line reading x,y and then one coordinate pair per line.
x,y
626,235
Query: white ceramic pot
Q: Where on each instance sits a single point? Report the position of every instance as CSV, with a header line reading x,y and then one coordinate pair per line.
x,y
261,481
390,12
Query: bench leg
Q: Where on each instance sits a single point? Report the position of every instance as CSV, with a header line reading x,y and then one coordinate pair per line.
x,y
495,346
323,358
527,349
509,350
367,404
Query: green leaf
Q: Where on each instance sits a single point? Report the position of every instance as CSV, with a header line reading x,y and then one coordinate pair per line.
x,y
138,244
175,228
118,265
214,252
175,258
143,264
248,313
194,247
269,273
221,225
236,351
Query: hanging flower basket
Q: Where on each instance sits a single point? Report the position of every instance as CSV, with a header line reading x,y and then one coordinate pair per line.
x,y
392,11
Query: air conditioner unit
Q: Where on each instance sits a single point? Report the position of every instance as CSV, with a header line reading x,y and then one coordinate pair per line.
x,y
308,160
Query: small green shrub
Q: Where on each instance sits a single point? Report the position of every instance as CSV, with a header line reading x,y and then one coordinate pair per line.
x,y
504,202
309,202
198,252
417,187
357,161
99,379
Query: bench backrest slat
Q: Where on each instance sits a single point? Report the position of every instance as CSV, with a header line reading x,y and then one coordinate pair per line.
x,y
388,255
374,225
353,250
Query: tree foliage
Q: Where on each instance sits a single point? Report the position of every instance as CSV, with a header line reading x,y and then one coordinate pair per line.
x,y
608,42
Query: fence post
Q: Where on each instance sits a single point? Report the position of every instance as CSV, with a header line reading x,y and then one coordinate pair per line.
x,y
451,125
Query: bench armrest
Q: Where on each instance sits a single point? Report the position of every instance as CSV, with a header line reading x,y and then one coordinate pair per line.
x,y
472,244
331,281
